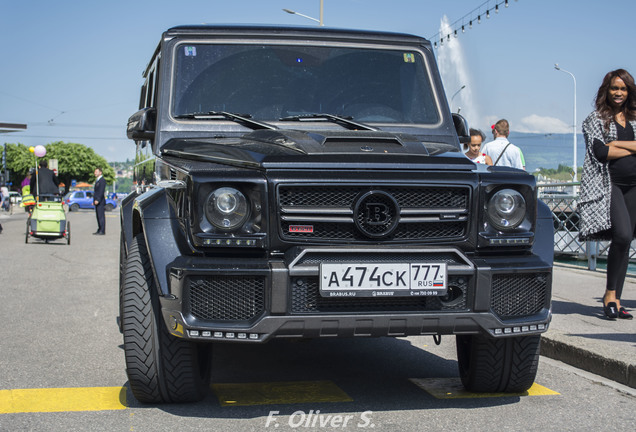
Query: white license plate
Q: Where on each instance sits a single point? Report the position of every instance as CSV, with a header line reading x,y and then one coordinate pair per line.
x,y
383,280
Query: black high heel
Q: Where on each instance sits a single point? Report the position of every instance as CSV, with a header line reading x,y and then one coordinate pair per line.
x,y
611,311
623,314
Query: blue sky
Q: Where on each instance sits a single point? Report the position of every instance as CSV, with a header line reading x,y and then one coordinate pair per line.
x,y
71,70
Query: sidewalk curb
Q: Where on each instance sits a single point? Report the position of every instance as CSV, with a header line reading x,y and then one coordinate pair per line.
x,y
615,370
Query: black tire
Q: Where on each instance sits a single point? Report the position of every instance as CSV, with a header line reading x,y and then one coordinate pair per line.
x,y
160,367
74,207
68,233
109,207
26,240
504,365
122,267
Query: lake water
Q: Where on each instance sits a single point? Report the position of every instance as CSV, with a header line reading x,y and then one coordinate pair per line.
x,y
548,150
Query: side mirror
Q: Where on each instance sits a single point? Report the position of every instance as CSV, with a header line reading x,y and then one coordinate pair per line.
x,y
461,127
142,124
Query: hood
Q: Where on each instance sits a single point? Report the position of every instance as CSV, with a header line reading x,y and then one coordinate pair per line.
x,y
328,149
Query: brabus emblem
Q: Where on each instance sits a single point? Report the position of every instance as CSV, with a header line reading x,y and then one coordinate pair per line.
x,y
366,148
376,214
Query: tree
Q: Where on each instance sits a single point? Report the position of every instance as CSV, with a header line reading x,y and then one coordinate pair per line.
x,y
75,162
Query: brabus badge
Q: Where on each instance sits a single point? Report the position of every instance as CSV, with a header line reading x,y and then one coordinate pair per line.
x,y
301,228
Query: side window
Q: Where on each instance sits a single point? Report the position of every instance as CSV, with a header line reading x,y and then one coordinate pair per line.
x,y
89,194
79,195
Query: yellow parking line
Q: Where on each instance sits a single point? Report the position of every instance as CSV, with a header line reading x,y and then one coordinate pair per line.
x,y
452,388
62,399
245,394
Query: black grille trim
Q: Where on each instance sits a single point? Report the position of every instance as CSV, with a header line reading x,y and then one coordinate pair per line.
x,y
306,299
519,295
225,298
427,213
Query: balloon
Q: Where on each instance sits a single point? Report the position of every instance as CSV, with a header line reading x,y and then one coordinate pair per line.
x,y
31,149
40,151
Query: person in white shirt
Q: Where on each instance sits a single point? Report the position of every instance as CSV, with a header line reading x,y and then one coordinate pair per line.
x,y
501,151
4,191
473,149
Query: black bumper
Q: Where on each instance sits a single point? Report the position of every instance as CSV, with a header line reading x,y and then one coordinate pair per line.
x,y
254,301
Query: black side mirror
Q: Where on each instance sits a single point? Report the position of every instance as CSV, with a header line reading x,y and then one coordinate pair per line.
x,y
461,127
142,124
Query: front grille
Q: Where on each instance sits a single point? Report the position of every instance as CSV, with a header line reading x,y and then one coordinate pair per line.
x,y
407,197
306,299
519,295
341,213
225,298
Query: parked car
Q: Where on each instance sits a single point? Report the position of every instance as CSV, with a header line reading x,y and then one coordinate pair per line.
x,y
84,200
15,197
338,203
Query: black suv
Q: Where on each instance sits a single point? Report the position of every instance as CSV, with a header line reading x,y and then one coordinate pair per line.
x,y
307,183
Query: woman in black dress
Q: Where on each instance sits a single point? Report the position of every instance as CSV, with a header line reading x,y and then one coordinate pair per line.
x,y
607,205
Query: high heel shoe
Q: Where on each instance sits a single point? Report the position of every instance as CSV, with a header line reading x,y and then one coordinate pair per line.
x,y
611,311
623,314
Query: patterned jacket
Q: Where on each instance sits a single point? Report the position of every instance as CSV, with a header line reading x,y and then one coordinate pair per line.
x,y
595,196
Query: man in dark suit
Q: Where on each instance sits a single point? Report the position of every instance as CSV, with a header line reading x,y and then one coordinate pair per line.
x,y
99,198
44,182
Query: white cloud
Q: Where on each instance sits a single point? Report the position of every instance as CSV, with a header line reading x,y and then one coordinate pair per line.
x,y
538,124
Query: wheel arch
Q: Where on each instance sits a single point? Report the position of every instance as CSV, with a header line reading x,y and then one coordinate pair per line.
x,y
150,213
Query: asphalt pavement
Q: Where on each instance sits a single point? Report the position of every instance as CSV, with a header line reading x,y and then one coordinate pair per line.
x,y
579,334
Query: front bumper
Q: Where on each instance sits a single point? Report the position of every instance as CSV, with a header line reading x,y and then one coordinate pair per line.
x,y
254,301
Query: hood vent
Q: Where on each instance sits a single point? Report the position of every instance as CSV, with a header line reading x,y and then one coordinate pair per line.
x,y
382,142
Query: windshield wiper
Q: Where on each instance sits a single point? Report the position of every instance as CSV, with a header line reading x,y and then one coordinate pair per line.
x,y
343,121
244,119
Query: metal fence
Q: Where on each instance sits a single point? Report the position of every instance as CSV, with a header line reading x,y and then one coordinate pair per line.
x,y
562,200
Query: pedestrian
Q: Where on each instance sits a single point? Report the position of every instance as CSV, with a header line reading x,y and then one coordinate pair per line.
x,y
607,202
6,197
99,196
474,152
500,150
27,180
44,182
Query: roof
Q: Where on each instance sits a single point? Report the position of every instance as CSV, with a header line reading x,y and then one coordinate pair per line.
x,y
11,127
291,31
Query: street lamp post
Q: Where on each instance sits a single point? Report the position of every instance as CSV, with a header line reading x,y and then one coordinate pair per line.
x,y
455,94
319,21
556,66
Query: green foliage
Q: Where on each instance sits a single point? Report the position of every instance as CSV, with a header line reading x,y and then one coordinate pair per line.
x,y
75,162
124,184
562,172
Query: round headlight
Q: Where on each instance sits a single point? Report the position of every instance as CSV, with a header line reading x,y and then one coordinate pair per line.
x,y
506,209
226,208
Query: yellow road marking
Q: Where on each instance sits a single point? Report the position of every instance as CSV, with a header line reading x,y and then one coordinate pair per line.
x,y
62,399
452,388
245,394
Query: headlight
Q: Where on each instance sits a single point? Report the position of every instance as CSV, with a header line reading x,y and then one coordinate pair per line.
x,y
227,208
506,209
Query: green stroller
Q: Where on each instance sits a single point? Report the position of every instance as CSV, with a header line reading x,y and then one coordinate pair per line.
x,y
48,220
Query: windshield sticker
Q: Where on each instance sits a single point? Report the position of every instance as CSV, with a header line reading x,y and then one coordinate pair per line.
x,y
409,58
190,51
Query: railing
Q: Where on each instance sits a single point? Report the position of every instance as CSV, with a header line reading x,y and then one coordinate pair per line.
x,y
562,200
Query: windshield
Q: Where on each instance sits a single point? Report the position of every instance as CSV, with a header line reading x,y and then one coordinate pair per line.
x,y
272,82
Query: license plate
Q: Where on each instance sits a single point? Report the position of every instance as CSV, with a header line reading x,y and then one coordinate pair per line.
x,y
382,280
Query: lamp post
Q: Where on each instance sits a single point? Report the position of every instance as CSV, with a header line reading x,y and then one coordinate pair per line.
x,y
556,66
455,94
320,21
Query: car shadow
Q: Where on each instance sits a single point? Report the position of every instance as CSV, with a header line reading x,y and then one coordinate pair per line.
x,y
374,372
